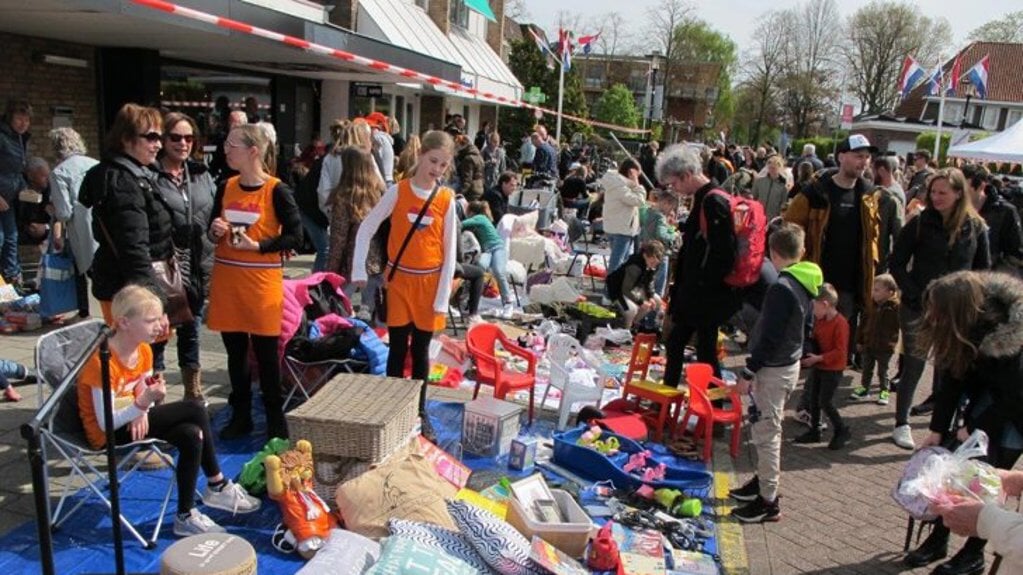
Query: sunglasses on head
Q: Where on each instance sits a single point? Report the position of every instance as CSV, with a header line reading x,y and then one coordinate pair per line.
x,y
176,138
151,137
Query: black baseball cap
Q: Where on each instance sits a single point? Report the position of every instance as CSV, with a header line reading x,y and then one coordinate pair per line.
x,y
855,142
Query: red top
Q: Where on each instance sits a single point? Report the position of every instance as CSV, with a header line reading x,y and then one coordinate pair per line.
x,y
832,337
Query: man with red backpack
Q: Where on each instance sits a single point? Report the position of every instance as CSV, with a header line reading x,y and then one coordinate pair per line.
x,y
705,290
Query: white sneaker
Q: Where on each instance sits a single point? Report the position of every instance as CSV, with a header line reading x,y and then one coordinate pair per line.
x,y
195,524
475,319
231,498
508,311
455,312
903,437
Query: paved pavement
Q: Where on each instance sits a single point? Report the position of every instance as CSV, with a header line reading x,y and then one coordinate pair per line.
x,y
838,516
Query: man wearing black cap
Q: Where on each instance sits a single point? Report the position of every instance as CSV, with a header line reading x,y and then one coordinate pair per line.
x,y
841,220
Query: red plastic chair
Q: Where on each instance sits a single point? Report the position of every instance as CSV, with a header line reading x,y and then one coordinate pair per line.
x,y
700,377
481,341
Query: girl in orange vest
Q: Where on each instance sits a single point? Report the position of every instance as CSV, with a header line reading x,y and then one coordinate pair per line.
x,y
417,295
255,219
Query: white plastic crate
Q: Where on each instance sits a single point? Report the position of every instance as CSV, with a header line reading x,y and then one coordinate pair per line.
x,y
488,426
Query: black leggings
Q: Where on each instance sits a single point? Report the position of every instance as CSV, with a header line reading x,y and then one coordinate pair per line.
x,y
186,426
264,347
678,339
420,349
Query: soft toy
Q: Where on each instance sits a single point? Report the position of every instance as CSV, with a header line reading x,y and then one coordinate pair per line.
x,y
289,481
534,341
603,554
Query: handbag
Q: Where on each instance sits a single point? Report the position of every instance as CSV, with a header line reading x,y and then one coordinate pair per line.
x,y
167,277
380,299
57,292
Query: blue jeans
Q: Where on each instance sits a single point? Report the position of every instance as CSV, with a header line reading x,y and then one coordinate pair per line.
x,y
622,247
661,276
318,236
11,370
9,265
497,260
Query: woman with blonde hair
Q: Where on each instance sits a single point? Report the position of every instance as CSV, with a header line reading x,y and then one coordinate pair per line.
x,y
973,326
407,158
948,236
360,189
255,219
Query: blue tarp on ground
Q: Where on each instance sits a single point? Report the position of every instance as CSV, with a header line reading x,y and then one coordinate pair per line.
x,y
84,543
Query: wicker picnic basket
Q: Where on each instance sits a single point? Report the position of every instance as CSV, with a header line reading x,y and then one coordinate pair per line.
x,y
358,416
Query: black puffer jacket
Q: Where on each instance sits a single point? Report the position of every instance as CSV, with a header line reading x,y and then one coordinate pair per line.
x,y
190,221
121,193
1004,232
994,383
700,295
924,242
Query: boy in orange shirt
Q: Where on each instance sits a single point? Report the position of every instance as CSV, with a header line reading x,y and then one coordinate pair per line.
x,y
831,334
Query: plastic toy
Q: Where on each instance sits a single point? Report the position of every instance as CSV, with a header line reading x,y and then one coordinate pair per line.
x,y
651,474
534,341
636,461
289,481
591,439
603,555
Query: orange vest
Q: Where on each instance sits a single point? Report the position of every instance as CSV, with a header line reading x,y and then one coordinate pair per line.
x,y
425,252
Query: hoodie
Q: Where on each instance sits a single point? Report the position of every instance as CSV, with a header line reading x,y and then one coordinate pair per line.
x,y
786,321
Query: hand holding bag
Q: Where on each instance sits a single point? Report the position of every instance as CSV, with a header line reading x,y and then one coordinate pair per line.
x,y
380,309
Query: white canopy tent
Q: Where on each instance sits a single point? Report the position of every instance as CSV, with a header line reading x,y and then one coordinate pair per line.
x,y
1005,146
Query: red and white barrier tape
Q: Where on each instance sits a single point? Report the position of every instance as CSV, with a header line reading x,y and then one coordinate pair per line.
x,y
356,59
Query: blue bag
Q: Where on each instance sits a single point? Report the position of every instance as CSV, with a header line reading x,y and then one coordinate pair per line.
x,y
57,291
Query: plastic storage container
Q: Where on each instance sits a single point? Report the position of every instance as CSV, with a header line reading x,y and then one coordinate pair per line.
x,y
570,537
488,426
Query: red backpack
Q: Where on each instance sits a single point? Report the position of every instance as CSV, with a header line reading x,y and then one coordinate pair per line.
x,y
750,223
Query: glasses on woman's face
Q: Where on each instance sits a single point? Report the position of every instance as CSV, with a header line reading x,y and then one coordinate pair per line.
x,y
151,137
178,138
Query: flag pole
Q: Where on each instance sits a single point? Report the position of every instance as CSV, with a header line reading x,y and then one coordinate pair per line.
x,y
561,95
941,115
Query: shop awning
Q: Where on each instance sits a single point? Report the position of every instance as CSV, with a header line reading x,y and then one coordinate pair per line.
x,y
405,24
483,7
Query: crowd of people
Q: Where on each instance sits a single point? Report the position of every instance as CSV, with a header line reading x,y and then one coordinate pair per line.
x,y
869,257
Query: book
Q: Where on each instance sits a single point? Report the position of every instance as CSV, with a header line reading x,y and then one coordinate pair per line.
x,y
444,463
692,563
641,552
554,560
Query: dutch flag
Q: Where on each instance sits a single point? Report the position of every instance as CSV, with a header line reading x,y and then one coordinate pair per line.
x,y
912,73
977,75
933,82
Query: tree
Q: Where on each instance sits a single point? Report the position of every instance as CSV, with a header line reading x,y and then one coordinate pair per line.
x,y
1007,29
696,41
763,68
880,35
809,86
530,67
517,10
617,106
663,19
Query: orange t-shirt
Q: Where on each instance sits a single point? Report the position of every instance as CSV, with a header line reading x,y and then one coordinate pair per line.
x,y
123,383
832,337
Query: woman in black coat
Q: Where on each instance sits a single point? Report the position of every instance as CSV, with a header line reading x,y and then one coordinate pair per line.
x,y
986,370
131,224
946,237
186,188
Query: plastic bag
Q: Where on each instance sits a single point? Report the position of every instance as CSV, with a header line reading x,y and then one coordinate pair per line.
x,y
936,475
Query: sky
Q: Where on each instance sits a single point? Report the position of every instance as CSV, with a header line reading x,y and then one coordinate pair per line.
x,y
738,18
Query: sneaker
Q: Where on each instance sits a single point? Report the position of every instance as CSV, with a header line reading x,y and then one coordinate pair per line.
x,y
840,439
811,436
923,408
749,491
195,524
758,511
508,311
475,319
231,498
11,394
455,312
859,394
882,398
803,416
903,437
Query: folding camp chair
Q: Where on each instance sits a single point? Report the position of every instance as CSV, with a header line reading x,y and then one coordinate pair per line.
x,y
307,377
56,354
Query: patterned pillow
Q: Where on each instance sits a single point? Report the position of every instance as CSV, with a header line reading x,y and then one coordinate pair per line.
x,y
345,553
446,540
401,555
500,545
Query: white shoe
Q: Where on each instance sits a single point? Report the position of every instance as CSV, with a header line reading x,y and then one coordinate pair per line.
x,y
195,524
508,311
475,319
903,437
231,498
455,312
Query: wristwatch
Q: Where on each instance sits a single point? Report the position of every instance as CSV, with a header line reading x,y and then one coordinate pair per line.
x,y
747,374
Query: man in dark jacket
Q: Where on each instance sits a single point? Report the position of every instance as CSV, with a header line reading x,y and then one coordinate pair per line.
x,y
699,301
1005,236
772,368
13,155
544,161
631,286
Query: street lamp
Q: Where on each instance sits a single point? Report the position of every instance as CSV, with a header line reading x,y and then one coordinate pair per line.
x,y
970,90
655,65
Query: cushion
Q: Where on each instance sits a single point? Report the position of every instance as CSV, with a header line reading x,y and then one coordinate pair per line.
x,y
403,487
451,542
344,553
500,545
400,555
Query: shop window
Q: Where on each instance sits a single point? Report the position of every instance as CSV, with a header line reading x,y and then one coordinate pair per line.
x,y
989,120
458,13
424,4
1013,117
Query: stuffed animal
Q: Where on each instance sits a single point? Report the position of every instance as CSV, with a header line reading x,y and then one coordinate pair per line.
x,y
534,341
289,481
603,555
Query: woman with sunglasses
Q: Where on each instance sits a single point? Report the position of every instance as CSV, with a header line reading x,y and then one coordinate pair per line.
x,y
187,189
129,221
